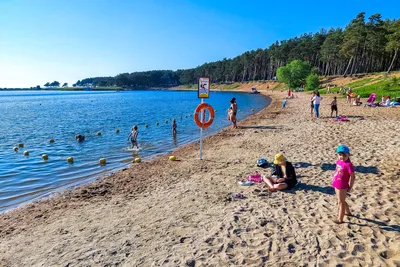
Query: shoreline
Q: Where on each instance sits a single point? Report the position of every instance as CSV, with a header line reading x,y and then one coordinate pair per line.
x,y
146,157
164,212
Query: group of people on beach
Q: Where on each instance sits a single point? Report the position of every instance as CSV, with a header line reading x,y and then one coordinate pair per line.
x,y
283,176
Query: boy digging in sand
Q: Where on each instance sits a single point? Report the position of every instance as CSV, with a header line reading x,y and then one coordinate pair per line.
x,y
343,181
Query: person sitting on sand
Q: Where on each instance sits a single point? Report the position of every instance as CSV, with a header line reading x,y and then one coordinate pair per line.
x,y
387,102
283,175
357,101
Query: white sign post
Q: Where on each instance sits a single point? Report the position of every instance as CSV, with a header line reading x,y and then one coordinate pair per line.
x,y
203,91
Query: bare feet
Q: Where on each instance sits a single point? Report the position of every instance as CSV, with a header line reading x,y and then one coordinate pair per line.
x,y
338,222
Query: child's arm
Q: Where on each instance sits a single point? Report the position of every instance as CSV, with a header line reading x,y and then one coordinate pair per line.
x,y
130,134
352,179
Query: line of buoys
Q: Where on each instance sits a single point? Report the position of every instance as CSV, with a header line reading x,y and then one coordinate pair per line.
x,y
102,161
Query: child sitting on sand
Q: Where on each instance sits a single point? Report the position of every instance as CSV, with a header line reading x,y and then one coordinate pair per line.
x,y
133,136
283,175
343,181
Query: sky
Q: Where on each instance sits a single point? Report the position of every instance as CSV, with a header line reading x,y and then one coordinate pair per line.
x,y
69,40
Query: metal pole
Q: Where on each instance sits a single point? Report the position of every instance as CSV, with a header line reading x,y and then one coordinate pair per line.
x,y
201,132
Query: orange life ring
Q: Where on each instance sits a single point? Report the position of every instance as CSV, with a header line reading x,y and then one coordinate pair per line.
x,y
198,111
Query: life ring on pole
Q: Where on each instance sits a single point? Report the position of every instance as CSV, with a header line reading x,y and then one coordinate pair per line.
x,y
198,111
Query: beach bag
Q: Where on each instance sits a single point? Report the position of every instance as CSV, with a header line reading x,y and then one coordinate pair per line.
x,y
257,178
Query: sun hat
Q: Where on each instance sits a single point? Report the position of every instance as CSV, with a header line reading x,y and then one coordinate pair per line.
x,y
279,159
343,149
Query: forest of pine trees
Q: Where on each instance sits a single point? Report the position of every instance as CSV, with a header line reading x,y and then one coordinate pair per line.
x,y
365,45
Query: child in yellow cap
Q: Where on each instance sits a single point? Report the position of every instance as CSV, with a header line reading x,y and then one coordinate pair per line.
x,y
283,175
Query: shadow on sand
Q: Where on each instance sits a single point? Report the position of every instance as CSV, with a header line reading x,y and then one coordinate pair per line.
x,y
301,164
260,127
329,190
359,169
382,225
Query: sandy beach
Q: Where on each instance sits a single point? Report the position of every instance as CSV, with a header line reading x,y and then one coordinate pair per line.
x,y
180,213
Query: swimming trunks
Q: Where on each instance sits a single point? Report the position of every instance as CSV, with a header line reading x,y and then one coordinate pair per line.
x,y
334,108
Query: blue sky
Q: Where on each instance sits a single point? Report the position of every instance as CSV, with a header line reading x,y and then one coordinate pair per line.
x,y
67,40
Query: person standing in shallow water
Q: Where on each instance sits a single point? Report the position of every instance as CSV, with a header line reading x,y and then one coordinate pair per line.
x,y
234,108
174,126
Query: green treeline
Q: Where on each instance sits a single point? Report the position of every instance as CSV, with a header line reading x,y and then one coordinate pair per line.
x,y
365,45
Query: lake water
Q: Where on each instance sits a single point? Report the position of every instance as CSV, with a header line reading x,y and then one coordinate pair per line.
x,y
33,118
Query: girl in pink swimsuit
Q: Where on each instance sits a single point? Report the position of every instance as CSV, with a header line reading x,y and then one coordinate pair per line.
x,y
343,181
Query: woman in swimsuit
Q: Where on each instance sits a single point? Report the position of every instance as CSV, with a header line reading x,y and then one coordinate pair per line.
x,y
234,108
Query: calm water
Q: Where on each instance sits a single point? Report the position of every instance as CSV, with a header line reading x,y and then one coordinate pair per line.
x,y
33,118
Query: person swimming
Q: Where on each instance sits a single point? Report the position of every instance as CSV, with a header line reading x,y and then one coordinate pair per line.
x,y
80,138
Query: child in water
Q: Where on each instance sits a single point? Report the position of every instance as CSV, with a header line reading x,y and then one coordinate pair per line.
x,y
343,181
133,136
174,126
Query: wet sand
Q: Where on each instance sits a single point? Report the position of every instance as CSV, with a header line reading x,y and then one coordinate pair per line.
x,y
180,213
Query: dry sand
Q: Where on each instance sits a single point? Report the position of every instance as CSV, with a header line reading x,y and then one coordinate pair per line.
x,y
179,213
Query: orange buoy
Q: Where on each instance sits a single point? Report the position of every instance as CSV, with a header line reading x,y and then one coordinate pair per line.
x,y
199,109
